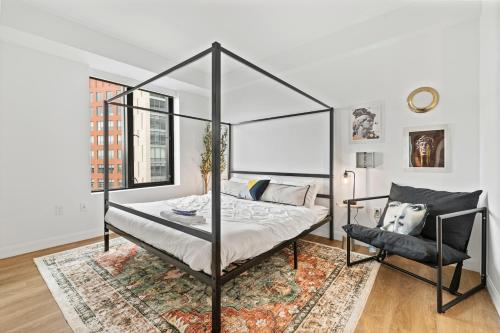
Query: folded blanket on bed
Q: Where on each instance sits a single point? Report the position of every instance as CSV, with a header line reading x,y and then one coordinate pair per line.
x,y
171,216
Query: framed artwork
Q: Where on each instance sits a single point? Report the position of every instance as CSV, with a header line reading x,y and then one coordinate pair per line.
x,y
427,148
365,123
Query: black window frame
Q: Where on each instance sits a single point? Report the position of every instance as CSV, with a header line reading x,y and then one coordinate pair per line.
x,y
130,147
128,142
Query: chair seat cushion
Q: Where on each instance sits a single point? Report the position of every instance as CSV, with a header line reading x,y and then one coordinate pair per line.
x,y
415,248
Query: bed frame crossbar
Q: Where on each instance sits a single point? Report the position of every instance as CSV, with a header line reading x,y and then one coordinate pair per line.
x,y
216,279
180,227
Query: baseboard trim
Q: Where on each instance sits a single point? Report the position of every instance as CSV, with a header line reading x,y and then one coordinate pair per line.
x,y
17,249
494,294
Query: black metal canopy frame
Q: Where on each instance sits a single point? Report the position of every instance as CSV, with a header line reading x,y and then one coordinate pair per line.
x,y
216,279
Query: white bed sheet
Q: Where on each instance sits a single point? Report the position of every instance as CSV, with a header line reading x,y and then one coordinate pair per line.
x,y
248,228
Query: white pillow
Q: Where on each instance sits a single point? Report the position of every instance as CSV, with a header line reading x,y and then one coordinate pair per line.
x,y
404,218
232,188
285,194
311,194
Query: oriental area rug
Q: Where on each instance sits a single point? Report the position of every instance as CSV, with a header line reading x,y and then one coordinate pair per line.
x,y
128,290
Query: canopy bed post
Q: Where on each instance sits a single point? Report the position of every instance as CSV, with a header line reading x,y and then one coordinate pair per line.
x,y
230,158
106,172
216,268
330,184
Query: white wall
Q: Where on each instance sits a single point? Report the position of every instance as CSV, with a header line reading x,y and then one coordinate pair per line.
x,y
443,57
44,145
489,136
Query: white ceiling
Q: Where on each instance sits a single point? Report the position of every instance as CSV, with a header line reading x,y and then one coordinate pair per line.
x,y
278,35
178,28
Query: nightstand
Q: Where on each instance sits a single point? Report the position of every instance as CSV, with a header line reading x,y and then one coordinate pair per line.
x,y
357,207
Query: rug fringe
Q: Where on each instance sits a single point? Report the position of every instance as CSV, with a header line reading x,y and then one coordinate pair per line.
x,y
68,311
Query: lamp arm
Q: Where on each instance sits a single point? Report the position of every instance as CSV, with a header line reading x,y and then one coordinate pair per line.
x,y
354,185
354,182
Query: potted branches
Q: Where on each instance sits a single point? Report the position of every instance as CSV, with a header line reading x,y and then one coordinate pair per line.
x,y
206,155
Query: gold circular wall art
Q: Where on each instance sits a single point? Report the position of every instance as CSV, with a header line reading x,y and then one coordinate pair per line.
x,y
421,92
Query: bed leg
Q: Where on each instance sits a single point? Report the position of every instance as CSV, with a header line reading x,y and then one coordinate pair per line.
x,y
106,238
216,308
295,259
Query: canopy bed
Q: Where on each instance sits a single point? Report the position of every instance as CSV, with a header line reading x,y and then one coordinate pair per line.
x,y
212,254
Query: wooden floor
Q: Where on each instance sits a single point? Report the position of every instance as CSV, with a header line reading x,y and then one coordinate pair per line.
x,y
397,303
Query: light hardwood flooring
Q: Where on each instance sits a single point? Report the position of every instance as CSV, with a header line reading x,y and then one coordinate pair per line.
x,y
397,303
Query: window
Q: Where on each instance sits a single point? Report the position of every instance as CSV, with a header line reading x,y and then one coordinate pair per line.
x,y
92,169
92,139
143,159
154,129
91,99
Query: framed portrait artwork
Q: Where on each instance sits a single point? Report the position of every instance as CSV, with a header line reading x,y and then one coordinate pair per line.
x,y
365,123
427,148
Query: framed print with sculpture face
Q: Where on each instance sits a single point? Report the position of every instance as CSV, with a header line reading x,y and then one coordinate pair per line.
x,y
365,123
427,148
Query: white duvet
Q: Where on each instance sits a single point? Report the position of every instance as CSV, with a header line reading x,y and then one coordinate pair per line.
x,y
248,228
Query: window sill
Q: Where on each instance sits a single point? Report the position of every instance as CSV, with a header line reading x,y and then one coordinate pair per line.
x,y
149,187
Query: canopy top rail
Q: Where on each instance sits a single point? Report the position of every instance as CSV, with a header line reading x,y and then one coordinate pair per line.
x,y
235,57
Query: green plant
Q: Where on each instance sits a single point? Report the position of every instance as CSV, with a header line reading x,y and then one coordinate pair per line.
x,y
206,155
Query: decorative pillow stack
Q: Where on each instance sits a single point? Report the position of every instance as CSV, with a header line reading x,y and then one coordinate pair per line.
x,y
269,191
404,218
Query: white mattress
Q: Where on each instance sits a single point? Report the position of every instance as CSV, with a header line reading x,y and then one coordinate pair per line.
x,y
248,228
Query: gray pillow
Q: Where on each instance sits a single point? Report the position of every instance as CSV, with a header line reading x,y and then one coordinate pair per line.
x,y
285,194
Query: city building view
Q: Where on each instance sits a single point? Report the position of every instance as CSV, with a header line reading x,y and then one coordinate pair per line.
x,y
150,138
150,132
99,91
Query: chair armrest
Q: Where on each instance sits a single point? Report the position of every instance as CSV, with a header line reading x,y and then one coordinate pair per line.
x,y
439,234
463,212
350,201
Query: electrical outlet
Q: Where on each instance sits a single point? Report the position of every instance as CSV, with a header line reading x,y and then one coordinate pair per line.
x,y
58,210
83,207
377,212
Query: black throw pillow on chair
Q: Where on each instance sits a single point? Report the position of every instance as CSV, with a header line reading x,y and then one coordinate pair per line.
x,y
457,230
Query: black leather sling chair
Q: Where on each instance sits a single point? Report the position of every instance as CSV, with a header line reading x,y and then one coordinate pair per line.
x,y
443,240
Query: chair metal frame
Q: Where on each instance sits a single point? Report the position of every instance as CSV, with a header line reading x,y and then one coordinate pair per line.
x,y
455,282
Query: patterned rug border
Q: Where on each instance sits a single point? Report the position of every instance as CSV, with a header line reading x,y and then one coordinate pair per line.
x,y
68,311
78,326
